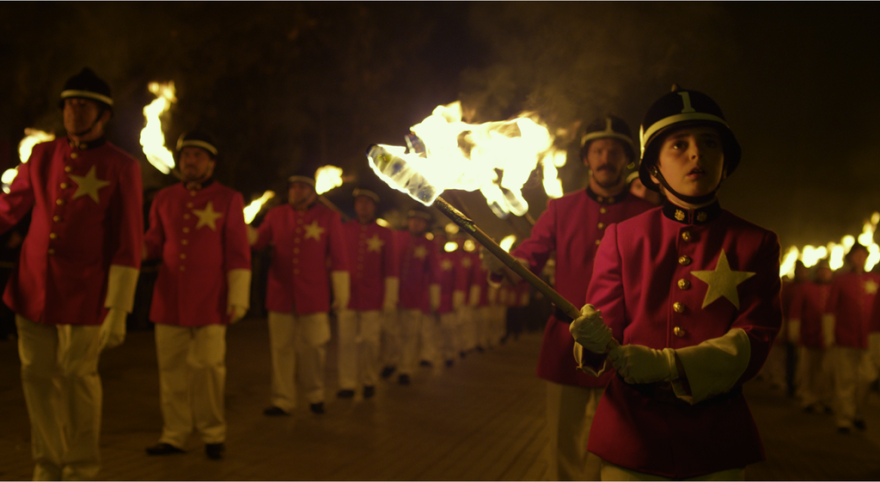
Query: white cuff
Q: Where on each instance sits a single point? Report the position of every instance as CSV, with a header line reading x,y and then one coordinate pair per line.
x,y
458,298
475,295
121,285
238,288
434,291
341,288
714,366
492,295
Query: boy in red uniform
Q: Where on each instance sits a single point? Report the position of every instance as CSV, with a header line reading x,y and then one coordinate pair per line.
x,y
197,229
692,293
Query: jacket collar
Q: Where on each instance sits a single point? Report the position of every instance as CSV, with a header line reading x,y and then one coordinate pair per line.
x,y
607,199
198,185
703,215
86,145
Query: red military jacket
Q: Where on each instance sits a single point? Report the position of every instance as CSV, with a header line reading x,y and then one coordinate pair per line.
x,y
371,253
572,226
302,243
676,278
850,301
808,300
201,236
87,222
418,270
452,277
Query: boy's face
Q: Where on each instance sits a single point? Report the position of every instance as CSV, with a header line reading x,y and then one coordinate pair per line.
x,y
692,160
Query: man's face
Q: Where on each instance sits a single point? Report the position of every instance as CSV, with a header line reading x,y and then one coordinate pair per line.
x,y
858,258
824,274
300,193
365,208
607,161
416,226
692,160
196,164
80,115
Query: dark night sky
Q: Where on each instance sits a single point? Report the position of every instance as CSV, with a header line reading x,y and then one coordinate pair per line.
x,y
285,85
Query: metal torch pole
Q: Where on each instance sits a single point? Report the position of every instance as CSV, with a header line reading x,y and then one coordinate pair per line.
x,y
323,200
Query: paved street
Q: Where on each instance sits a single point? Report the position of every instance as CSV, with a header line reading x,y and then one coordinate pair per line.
x,y
480,420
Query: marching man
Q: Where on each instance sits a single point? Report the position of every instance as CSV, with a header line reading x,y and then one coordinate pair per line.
x,y
573,226
75,279
303,235
847,326
197,228
691,291
453,280
808,301
419,291
374,292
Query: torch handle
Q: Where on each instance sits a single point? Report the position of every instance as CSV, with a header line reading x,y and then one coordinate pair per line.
x,y
323,200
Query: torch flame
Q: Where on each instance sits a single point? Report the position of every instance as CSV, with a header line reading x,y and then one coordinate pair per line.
x,y
327,178
507,242
496,158
835,252
32,137
252,209
152,138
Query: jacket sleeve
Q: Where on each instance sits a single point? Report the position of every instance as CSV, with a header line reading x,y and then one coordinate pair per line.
x,y
19,201
720,364
154,239
265,231
338,253
237,254
127,231
537,249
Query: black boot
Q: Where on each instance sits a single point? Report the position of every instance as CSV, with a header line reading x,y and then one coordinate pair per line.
x,y
215,451
163,448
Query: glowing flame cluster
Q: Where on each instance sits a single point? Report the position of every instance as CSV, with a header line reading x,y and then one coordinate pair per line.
x,y
252,209
507,242
834,252
32,137
495,158
152,138
327,178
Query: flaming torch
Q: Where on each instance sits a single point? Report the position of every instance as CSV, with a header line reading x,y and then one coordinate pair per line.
x,y
252,209
152,138
424,179
32,137
326,178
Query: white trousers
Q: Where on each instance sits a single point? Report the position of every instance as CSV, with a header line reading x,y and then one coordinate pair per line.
x,y
390,339
192,381
298,342
469,319
359,333
570,412
774,367
450,335
430,338
615,472
813,377
853,374
62,390
410,332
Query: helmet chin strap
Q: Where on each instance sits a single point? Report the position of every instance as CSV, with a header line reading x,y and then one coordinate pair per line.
x,y
688,199
97,119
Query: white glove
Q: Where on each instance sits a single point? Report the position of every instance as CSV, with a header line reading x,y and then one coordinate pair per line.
x,y
252,235
236,313
590,331
113,329
640,364
341,290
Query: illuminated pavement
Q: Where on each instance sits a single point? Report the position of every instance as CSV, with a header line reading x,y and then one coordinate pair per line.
x,y
480,420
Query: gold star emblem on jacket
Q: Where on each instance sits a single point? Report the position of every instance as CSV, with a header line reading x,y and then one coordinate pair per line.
x,y
89,185
446,265
374,243
722,281
314,231
420,252
870,287
207,217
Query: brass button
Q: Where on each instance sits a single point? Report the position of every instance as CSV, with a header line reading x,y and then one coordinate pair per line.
x,y
186,216
296,271
684,260
598,242
602,210
67,168
295,260
56,218
684,284
599,198
189,205
59,202
295,240
73,155
678,331
678,307
185,230
184,242
51,251
192,193
63,185
182,268
53,236
295,250
601,225
686,236
182,255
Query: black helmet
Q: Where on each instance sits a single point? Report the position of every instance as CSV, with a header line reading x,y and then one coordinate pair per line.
x,y
605,127
678,109
87,85
197,138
